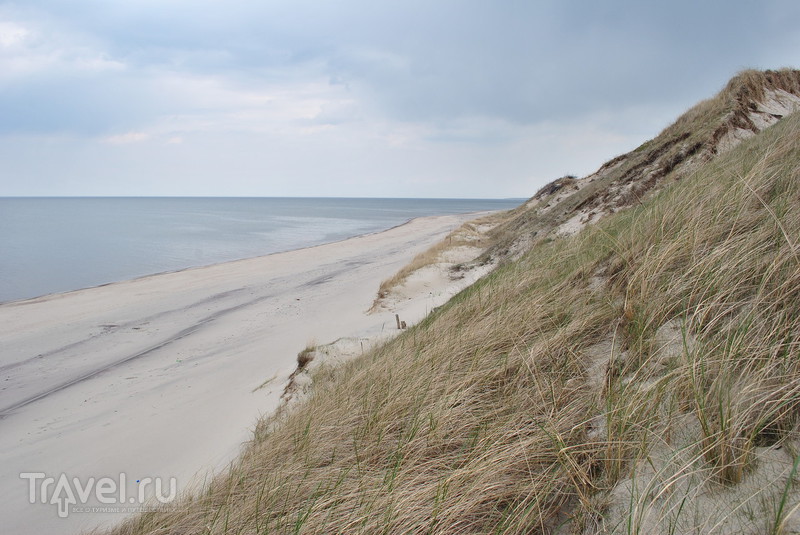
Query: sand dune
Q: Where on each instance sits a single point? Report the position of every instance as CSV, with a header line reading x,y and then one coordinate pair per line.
x,y
160,376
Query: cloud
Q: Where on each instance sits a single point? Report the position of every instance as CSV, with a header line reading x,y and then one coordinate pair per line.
x,y
518,62
281,97
36,48
126,139
12,35
524,62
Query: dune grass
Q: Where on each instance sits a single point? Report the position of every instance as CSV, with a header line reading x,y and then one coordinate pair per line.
x,y
639,377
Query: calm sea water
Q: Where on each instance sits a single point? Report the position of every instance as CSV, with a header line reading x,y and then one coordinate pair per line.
x,y
50,245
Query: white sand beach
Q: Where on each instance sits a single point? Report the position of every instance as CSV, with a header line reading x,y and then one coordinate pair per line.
x,y
160,376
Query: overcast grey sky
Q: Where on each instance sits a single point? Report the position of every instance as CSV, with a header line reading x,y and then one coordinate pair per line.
x,y
433,98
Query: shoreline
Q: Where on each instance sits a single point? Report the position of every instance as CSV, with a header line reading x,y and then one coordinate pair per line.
x,y
469,215
160,375
7,411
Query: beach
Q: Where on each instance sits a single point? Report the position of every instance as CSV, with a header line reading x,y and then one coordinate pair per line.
x,y
165,376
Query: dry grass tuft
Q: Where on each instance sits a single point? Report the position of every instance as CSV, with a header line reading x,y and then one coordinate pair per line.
x,y
305,357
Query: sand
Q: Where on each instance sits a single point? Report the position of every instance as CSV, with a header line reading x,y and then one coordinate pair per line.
x,y
164,376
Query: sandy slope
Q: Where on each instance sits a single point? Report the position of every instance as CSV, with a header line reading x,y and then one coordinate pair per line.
x,y
159,376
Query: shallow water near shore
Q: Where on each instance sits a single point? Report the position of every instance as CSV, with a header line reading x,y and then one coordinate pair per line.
x,y
52,245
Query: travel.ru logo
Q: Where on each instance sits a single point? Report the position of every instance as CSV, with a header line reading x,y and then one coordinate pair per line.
x,y
69,493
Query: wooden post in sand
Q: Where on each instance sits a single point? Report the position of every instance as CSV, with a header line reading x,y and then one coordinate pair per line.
x,y
397,317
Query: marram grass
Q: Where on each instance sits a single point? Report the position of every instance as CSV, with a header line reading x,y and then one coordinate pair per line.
x,y
544,398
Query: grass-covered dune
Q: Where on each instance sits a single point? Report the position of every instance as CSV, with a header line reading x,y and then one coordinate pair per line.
x,y
751,101
641,376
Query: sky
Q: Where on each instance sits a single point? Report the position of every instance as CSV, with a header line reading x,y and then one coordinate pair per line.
x,y
434,98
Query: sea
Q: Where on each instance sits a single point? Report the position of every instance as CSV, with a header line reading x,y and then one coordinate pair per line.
x,y
58,244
